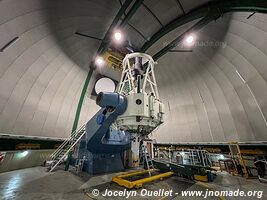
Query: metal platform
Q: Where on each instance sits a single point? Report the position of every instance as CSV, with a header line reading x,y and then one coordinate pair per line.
x,y
122,179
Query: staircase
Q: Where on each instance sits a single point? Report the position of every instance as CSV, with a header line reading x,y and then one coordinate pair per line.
x,y
237,158
147,159
65,148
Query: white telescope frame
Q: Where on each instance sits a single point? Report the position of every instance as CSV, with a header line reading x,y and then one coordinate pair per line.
x,y
127,78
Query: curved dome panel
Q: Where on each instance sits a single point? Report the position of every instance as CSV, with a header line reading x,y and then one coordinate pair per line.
x,y
43,71
217,93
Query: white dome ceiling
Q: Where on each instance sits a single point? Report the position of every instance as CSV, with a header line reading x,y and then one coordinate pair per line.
x,y
218,92
215,93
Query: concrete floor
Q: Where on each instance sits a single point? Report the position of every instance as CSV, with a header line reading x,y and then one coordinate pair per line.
x,y
35,183
225,181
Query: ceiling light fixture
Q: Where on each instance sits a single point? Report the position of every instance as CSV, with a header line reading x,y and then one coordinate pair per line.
x,y
99,61
118,36
190,39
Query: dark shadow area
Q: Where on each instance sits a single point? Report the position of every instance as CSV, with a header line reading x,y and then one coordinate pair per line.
x,y
92,18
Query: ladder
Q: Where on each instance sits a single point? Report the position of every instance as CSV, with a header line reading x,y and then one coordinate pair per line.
x,y
147,159
79,164
57,157
237,157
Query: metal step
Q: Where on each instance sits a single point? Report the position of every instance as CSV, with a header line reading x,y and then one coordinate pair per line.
x,y
147,159
66,147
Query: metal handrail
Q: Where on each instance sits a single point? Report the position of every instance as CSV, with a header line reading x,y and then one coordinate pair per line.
x,y
73,134
62,145
67,152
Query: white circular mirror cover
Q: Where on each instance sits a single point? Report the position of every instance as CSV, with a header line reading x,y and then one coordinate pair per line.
x,y
104,85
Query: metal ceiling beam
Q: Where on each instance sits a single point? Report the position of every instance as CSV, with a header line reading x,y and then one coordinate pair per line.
x,y
180,50
173,44
88,36
137,31
131,12
153,14
212,9
181,6
132,27
251,15
106,41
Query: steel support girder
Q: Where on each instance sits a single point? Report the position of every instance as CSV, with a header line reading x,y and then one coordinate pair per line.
x,y
171,45
213,10
131,12
107,39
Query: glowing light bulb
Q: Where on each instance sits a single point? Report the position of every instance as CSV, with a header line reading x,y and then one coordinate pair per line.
x,y
99,61
117,36
190,39
23,154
